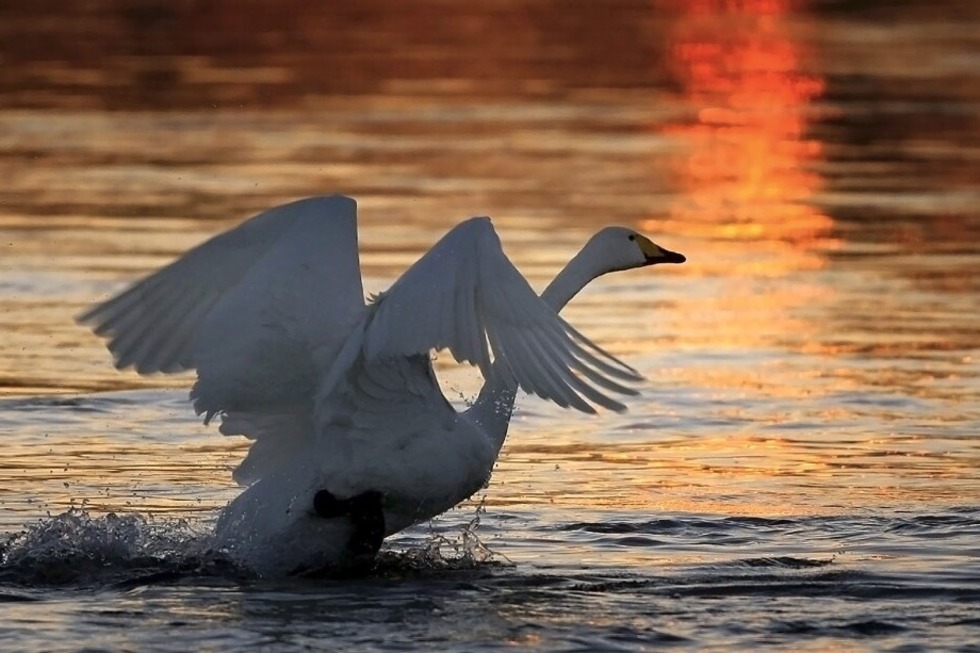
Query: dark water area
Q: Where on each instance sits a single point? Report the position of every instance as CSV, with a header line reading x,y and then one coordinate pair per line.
x,y
140,584
802,469
196,55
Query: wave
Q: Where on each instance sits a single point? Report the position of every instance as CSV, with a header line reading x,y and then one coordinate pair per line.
x,y
734,557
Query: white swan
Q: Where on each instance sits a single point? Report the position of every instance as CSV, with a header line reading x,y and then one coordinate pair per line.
x,y
352,437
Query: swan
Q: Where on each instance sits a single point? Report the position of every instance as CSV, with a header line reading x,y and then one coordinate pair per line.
x,y
352,438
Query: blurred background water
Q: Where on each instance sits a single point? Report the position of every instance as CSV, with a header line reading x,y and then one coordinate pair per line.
x,y
802,470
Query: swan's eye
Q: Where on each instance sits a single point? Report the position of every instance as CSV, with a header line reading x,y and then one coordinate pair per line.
x,y
632,236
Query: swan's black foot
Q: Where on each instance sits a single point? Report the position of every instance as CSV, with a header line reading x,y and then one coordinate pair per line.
x,y
328,506
367,516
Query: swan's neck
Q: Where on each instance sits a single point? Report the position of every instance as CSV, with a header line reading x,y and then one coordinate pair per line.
x,y
574,276
495,403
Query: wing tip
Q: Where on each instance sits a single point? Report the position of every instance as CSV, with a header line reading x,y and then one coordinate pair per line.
x,y
332,199
91,317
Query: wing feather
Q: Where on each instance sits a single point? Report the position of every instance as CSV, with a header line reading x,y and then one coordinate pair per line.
x,y
260,311
599,358
279,438
254,310
584,389
464,295
572,389
155,325
136,346
551,383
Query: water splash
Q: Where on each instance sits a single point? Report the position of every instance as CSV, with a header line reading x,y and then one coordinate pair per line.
x,y
76,547
463,551
79,548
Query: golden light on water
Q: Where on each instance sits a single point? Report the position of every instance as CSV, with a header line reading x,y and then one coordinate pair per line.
x,y
745,181
747,172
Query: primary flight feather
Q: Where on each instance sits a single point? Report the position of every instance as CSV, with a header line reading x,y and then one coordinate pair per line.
x,y
352,437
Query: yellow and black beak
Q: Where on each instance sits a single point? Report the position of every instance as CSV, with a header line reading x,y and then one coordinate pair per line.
x,y
654,253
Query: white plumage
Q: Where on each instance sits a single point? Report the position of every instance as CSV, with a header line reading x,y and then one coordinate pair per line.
x,y
339,395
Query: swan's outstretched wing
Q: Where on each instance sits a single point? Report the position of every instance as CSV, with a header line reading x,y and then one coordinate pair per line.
x,y
252,309
464,295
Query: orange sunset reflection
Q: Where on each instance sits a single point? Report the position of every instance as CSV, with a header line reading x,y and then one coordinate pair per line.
x,y
747,170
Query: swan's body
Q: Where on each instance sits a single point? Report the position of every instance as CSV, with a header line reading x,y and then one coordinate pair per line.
x,y
339,396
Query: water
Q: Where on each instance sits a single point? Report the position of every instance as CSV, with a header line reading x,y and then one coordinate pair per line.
x,y
802,471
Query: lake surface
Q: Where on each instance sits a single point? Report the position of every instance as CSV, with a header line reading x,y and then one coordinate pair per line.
x,y
802,470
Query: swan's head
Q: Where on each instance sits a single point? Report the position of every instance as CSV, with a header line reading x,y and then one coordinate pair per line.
x,y
619,248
